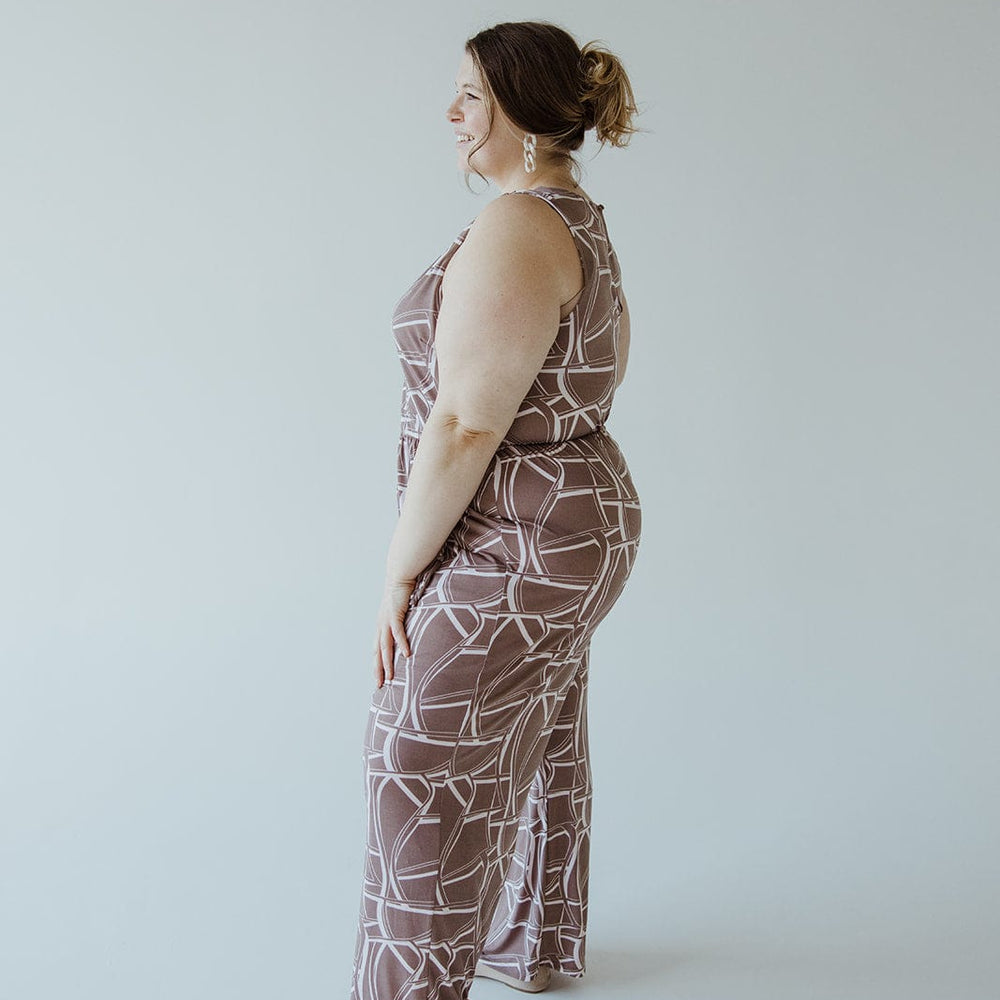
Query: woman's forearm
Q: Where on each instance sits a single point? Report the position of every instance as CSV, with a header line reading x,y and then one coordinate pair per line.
x,y
447,468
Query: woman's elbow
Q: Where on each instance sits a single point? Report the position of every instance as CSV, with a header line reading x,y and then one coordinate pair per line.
x,y
466,432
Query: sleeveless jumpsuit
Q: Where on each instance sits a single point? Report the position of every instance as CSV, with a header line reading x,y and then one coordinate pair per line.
x,y
476,769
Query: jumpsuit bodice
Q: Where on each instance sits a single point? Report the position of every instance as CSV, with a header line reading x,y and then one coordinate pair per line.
x,y
573,391
558,472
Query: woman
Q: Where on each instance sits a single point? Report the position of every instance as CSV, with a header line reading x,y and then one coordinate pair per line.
x,y
518,532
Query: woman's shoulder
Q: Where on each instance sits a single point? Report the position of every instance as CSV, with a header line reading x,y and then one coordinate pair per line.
x,y
509,225
513,212
518,235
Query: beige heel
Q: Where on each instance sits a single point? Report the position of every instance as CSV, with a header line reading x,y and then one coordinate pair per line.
x,y
540,981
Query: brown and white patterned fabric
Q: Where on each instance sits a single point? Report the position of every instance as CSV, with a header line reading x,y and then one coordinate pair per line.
x,y
476,769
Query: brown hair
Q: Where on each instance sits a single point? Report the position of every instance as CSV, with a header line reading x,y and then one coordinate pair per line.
x,y
547,85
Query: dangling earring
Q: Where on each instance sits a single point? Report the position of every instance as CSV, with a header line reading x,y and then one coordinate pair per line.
x,y
529,151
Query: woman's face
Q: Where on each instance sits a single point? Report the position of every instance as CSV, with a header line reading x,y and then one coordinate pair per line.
x,y
467,113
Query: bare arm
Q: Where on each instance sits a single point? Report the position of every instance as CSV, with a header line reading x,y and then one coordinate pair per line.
x,y
499,316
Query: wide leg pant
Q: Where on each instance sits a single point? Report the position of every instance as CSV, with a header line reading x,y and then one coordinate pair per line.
x,y
478,788
476,757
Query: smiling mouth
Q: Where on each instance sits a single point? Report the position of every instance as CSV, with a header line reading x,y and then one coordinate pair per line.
x,y
464,137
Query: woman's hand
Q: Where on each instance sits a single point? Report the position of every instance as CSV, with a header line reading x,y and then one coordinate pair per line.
x,y
389,627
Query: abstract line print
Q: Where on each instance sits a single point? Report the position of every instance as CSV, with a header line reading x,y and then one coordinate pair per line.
x,y
476,762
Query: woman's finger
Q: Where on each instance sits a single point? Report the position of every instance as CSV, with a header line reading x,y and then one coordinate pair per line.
x,y
404,643
390,633
387,653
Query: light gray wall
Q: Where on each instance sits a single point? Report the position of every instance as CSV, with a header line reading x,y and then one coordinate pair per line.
x,y
208,210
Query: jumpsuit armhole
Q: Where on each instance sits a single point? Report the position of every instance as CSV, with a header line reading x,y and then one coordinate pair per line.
x,y
585,270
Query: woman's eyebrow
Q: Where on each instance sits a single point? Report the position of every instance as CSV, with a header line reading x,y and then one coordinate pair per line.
x,y
472,85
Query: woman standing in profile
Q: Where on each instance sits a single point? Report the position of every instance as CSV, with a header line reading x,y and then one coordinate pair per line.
x,y
519,529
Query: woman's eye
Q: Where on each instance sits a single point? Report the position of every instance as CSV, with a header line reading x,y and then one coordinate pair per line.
x,y
472,97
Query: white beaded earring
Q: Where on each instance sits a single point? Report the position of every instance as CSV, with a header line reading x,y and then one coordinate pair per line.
x,y
529,152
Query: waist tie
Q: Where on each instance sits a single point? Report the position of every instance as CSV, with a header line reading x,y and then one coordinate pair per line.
x,y
509,445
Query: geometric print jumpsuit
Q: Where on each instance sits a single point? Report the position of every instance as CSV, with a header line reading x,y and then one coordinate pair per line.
x,y
476,767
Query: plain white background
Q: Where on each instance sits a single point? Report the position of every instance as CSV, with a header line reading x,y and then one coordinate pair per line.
x,y
208,211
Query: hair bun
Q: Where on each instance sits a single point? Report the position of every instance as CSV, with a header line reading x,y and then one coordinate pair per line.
x,y
606,95
598,64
